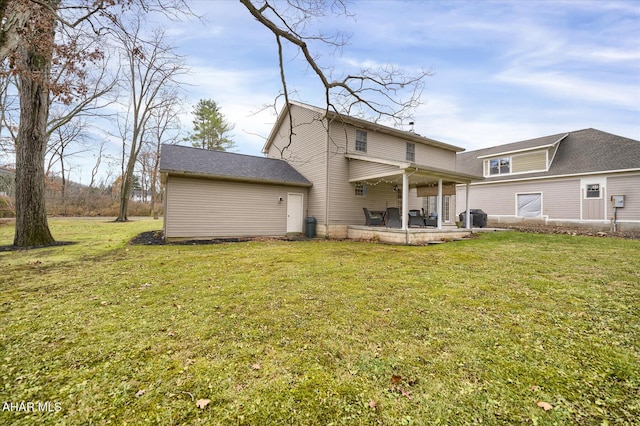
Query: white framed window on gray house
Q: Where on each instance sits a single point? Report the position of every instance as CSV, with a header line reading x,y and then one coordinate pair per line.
x,y
361,189
361,140
411,151
499,166
593,190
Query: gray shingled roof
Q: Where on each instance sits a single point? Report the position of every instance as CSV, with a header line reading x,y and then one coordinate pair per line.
x,y
227,165
582,151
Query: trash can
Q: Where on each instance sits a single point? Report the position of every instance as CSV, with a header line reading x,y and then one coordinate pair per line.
x,y
310,227
478,218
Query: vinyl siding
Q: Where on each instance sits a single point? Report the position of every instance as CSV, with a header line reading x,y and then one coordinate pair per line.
x,y
593,209
204,208
306,153
345,207
530,161
362,169
560,199
629,186
380,145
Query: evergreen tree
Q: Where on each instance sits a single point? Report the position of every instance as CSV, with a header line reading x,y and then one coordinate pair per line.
x,y
210,128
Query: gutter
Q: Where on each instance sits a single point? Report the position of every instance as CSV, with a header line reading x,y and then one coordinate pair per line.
x,y
186,174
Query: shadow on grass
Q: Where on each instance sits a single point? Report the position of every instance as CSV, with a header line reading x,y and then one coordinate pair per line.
x,y
56,244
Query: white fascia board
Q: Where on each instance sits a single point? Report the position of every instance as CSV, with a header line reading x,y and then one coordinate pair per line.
x,y
575,175
518,151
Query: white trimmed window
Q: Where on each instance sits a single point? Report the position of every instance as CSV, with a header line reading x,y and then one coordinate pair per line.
x,y
361,141
499,166
593,190
361,189
411,151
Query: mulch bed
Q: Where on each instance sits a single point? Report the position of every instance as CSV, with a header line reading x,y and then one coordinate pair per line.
x,y
156,238
568,230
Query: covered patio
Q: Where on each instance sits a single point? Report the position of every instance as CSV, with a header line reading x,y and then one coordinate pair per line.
x,y
411,236
403,176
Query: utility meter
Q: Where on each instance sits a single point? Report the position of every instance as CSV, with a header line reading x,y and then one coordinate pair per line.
x,y
617,200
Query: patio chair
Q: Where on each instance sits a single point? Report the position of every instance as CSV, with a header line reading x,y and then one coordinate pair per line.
x,y
371,219
415,218
431,220
393,218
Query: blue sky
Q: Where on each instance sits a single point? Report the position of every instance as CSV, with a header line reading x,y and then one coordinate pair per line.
x,y
504,71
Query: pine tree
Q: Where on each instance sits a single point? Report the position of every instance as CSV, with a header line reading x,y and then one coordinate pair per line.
x,y
210,128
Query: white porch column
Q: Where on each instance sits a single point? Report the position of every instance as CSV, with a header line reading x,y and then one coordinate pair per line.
x,y
439,204
405,201
467,219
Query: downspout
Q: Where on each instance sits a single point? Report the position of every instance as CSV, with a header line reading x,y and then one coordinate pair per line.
x,y
326,188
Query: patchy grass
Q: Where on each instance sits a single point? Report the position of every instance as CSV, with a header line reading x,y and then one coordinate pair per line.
x,y
319,332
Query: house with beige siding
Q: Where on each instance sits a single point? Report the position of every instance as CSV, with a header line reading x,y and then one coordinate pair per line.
x,y
318,164
587,177
213,194
355,164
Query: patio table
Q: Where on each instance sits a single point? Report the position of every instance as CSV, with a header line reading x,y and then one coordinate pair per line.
x,y
382,213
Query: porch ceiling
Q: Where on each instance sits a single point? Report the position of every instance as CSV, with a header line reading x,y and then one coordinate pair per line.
x,y
418,174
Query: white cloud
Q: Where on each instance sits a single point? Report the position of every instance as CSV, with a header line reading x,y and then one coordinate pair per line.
x,y
559,84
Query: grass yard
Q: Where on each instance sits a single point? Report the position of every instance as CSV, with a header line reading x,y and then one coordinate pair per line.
x,y
508,328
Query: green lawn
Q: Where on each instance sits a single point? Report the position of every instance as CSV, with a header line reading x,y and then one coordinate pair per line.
x,y
319,332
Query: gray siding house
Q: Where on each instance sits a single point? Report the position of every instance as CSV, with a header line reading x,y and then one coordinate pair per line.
x,y
571,179
213,194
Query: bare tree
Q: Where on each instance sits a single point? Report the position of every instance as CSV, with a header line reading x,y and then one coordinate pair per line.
x,y
151,70
96,167
28,30
387,92
59,149
164,128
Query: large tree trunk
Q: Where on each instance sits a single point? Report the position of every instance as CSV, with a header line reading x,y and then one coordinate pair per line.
x,y
127,183
32,228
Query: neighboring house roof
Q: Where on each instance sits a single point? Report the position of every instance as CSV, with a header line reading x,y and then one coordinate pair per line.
x,y
585,151
184,160
360,123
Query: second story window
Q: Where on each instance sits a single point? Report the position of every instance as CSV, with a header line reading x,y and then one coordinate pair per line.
x,y
361,141
500,166
411,151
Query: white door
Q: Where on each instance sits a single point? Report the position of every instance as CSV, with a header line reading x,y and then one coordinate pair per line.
x,y
294,212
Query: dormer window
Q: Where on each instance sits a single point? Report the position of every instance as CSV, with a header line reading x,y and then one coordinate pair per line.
x,y
361,141
499,166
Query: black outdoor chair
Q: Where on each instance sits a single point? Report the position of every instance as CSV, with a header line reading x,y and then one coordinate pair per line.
x,y
415,218
431,220
371,219
393,218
